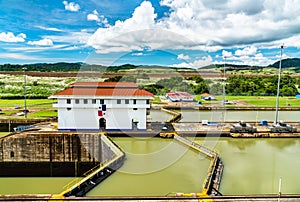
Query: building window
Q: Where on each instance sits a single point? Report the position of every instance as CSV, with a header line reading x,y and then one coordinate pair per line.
x,y
101,101
68,101
135,109
12,154
134,102
85,101
76,101
93,101
127,101
69,108
147,102
118,101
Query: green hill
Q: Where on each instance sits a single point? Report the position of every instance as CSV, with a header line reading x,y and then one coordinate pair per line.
x,y
287,63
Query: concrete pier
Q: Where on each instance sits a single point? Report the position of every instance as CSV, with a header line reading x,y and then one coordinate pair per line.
x,y
212,182
97,174
229,198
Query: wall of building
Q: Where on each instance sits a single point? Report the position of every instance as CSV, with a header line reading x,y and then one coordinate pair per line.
x,y
118,118
118,115
74,118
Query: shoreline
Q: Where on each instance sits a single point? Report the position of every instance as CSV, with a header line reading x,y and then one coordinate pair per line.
x,y
206,108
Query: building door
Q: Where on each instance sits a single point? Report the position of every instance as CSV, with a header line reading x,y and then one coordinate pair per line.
x,y
134,123
102,124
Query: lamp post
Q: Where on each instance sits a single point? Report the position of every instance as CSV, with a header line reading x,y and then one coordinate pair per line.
x,y
278,85
279,188
25,106
224,79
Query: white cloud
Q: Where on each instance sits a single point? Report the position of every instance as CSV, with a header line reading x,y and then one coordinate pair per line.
x,y
74,7
205,61
246,51
93,16
98,18
255,59
246,6
42,42
137,54
17,56
32,59
71,38
110,39
206,25
183,57
49,28
226,54
10,37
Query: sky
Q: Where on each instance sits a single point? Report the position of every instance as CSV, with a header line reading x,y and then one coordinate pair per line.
x,y
177,33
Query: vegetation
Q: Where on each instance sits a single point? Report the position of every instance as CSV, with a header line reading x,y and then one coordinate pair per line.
x,y
177,83
242,85
43,114
264,101
12,87
3,134
19,103
74,67
42,67
127,78
38,108
287,63
260,85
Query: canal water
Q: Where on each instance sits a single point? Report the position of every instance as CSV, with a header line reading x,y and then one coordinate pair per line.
x,y
156,166
220,115
252,166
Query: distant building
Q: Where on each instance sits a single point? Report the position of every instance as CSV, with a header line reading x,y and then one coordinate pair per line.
x,y
206,96
178,96
102,105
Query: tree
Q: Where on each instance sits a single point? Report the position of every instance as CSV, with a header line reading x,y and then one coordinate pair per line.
x,y
216,89
257,85
201,88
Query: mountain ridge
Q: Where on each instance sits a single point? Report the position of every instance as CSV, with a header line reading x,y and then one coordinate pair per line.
x,y
79,66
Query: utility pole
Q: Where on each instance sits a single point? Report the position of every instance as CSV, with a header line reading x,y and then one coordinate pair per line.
x,y
278,85
25,105
224,79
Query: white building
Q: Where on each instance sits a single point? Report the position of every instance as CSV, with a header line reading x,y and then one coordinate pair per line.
x,y
102,105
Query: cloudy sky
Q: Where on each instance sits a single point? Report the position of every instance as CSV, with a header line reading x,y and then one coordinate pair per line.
x,y
187,33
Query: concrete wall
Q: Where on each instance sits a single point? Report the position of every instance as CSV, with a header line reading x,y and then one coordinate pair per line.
x,y
52,154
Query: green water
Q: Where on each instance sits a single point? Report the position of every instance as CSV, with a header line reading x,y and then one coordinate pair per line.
x,y
254,166
217,115
32,185
157,166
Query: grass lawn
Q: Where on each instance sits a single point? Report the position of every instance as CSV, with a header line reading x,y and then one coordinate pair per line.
x,y
43,108
43,114
264,101
36,103
156,100
9,112
2,134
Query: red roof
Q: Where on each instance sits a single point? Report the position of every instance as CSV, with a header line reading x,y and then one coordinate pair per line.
x,y
104,84
104,89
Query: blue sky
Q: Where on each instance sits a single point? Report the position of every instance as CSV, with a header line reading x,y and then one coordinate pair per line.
x,y
178,33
